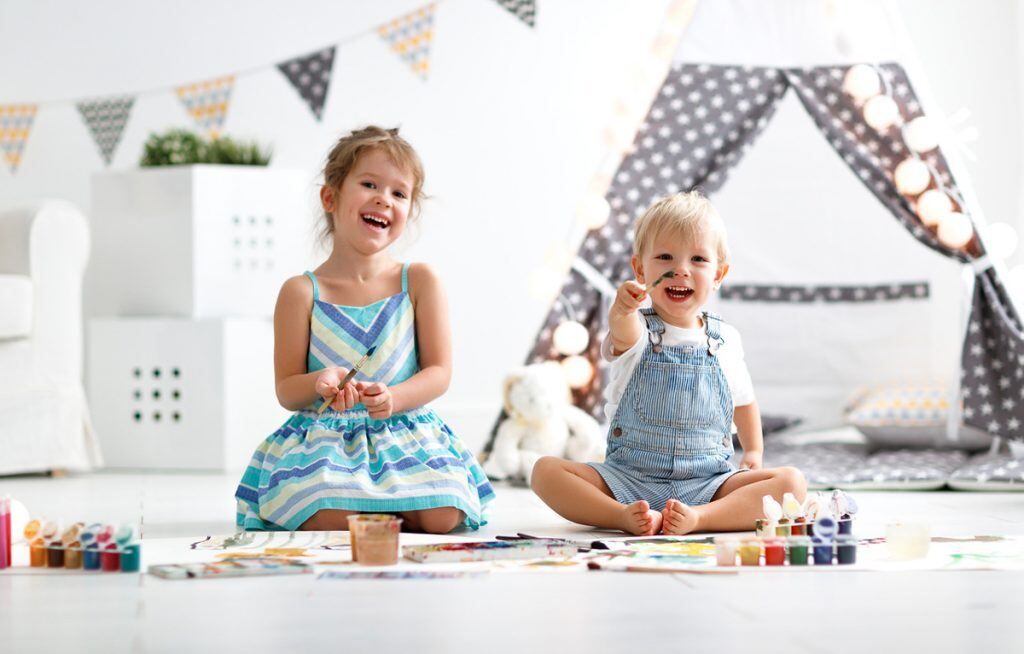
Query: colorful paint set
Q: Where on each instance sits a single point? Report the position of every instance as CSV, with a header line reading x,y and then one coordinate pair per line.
x,y
95,547
827,547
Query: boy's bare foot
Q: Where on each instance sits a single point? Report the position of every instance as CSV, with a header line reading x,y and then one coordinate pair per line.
x,y
640,520
679,519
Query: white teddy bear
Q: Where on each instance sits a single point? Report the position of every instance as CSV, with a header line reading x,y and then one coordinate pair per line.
x,y
542,421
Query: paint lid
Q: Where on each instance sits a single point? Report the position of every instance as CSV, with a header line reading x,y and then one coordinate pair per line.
x,y
32,528
124,534
799,541
49,530
70,534
825,527
105,533
88,534
819,541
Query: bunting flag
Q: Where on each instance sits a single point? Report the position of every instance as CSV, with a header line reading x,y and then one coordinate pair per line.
x,y
410,37
207,102
15,124
311,75
106,119
524,10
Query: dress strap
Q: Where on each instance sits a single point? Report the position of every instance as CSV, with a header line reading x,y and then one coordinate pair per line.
x,y
713,328
405,278
316,285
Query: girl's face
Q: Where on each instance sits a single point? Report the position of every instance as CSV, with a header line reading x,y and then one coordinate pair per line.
x,y
371,208
698,273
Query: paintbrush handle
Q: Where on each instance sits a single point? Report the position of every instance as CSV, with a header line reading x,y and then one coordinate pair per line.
x,y
346,379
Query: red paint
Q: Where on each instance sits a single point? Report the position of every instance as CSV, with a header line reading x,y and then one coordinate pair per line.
x,y
774,552
110,559
799,526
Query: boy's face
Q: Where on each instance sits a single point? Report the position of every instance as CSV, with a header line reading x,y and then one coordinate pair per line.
x,y
694,260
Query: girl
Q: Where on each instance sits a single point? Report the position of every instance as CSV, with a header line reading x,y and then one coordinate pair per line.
x,y
377,448
677,382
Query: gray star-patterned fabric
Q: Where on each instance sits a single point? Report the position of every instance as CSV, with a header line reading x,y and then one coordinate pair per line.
x,y
703,120
106,119
807,294
524,10
311,77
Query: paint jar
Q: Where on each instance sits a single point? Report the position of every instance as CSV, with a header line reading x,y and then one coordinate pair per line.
x,y
374,538
774,551
825,527
90,549
798,549
750,551
48,534
763,527
822,551
799,526
846,525
784,528
131,557
110,558
907,541
846,549
725,550
72,548
809,529
55,554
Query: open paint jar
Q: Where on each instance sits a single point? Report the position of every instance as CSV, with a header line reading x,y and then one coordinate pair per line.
x,y
374,538
725,550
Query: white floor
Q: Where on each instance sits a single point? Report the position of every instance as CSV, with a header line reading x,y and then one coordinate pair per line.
x,y
590,611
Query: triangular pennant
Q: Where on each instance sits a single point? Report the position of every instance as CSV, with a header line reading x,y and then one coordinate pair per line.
x,y
524,10
311,75
207,102
15,124
410,36
106,119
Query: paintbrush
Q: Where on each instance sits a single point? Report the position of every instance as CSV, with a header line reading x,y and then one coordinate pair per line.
x,y
657,281
348,377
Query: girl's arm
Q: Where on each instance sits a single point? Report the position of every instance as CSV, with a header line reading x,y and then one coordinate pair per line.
x,y
433,341
296,388
748,429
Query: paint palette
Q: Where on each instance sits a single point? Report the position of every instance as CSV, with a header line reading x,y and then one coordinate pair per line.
x,y
492,550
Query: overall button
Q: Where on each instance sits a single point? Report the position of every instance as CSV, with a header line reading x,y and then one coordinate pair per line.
x,y
617,431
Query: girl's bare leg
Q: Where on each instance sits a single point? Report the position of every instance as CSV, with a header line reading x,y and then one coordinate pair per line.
x,y
577,492
433,521
738,502
327,520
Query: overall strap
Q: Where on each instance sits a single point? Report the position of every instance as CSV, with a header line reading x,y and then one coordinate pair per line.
x,y
316,285
713,328
655,327
405,278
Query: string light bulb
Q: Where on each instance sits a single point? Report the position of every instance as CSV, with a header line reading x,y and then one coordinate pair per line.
x,y
570,338
1000,239
593,211
955,230
912,176
862,82
578,371
932,206
881,112
920,135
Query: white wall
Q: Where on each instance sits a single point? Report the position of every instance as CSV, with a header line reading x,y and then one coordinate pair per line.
x,y
509,124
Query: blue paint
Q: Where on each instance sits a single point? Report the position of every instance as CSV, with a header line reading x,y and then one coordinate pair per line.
x,y
822,551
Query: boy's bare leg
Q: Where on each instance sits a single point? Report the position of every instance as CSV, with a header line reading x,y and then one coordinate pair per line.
x,y
577,492
737,504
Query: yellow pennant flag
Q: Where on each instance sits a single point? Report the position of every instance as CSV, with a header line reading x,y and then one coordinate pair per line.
x,y
207,102
15,124
410,36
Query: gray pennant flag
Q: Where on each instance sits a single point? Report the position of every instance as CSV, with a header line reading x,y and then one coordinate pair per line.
x,y
311,75
106,119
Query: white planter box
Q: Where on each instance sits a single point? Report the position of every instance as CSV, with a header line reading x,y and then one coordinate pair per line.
x,y
196,241
181,394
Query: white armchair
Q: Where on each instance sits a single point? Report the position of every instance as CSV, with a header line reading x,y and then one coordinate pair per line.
x,y
44,418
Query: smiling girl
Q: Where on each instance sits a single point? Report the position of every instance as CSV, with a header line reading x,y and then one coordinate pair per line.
x,y
677,382
379,449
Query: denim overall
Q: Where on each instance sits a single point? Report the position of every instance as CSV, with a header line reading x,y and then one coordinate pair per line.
x,y
671,437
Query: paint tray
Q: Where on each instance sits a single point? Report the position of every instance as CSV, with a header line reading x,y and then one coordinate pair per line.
x,y
491,550
245,567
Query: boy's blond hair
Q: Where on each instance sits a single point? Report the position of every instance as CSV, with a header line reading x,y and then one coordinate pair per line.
x,y
690,215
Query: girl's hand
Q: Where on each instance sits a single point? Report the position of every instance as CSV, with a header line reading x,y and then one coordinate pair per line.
x,y
628,299
751,460
378,399
327,387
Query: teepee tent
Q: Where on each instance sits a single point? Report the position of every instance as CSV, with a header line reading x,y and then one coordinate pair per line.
x,y
829,286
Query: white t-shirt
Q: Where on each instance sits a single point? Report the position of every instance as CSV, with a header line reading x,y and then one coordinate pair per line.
x,y
730,358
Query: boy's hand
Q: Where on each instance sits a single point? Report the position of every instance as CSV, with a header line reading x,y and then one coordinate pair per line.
x,y
327,387
631,294
751,460
377,398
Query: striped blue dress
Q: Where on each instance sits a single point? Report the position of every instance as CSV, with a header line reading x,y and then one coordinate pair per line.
x,y
349,461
